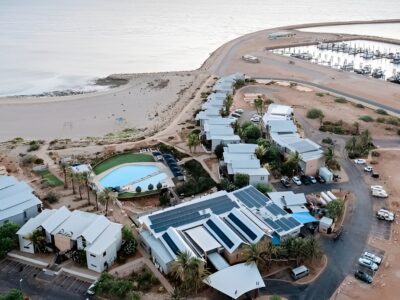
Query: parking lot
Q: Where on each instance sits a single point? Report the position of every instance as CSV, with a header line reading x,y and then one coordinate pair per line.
x,y
36,276
369,249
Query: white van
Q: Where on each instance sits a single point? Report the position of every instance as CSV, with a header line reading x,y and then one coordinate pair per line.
x,y
299,272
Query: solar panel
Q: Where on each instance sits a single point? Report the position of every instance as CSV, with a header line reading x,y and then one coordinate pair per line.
x,y
288,224
242,226
282,225
220,233
171,243
294,221
246,199
271,224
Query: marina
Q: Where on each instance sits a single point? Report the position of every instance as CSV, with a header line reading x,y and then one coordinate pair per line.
x,y
375,59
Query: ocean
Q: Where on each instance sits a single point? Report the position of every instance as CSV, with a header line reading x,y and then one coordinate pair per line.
x,y
49,45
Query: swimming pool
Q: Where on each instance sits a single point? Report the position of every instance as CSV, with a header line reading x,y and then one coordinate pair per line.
x,y
135,175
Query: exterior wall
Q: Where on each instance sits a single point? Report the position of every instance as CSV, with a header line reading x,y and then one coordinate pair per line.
x,y
25,245
256,179
235,257
160,264
22,218
215,143
311,167
99,262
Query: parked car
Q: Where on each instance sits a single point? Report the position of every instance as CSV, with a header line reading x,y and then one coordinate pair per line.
x,y
256,119
236,115
239,111
305,179
285,181
368,169
90,290
312,179
296,180
379,193
374,174
360,161
320,179
367,263
376,187
363,276
371,256
299,272
385,215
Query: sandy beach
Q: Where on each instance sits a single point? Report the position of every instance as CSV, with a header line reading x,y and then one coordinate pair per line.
x,y
149,101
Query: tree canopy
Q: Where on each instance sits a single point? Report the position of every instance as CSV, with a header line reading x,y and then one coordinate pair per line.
x,y
242,180
8,238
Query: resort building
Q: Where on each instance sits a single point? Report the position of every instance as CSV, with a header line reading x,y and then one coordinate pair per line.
x,y
215,228
241,159
66,231
282,131
17,202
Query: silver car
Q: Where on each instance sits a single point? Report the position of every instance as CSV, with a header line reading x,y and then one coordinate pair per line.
x,y
371,256
367,263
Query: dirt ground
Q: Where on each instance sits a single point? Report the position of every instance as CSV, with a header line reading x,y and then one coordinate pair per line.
x,y
385,285
304,98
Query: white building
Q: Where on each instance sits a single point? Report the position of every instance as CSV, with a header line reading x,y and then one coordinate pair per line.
x,y
66,231
282,132
241,159
17,202
214,228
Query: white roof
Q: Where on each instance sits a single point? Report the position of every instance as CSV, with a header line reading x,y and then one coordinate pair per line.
x,y
218,261
246,164
326,222
179,242
304,146
228,137
277,109
252,172
287,198
241,148
75,224
15,197
224,234
105,239
35,222
229,157
219,121
56,219
157,246
285,126
203,239
236,280
96,228
218,128
83,168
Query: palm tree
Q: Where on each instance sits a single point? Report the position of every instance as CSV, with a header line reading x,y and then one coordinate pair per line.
x,y
96,199
227,105
261,151
72,175
85,176
356,127
351,145
189,270
259,105
80,180
313,249
254,253
105,196
65,167
193,141
38,240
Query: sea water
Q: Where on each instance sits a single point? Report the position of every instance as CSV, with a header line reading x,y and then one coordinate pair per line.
x,y
49,45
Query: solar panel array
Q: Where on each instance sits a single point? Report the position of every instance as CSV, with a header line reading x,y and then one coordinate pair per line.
x,y
251,197
220,234
190,213
171,243
283,224
275,209
242,226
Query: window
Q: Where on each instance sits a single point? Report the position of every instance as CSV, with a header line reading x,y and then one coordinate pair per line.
x,y
93,265
104,253
83,242
262,178
92,255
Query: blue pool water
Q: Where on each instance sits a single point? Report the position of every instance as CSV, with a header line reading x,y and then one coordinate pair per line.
x,y
130,174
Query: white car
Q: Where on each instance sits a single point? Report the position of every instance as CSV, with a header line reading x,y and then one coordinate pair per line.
x,y
234,114
384,214
360,161
239,111
371,256
296,180
90,290
368,169
376,187
312,179
379,193
367,263
255,119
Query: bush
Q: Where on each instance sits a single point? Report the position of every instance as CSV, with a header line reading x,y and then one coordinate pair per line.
x,y
51,197
242,180
219,151
314,113
150,187
33,146
226,185
79,256
239,84
359,105
198,179
398,131
340,100
328,141
381,112
138,189
114,287
164,199
375,154
159,186
12,294
320,94
393,121
251,133
264,187
380,120
8,238
366,118
128,247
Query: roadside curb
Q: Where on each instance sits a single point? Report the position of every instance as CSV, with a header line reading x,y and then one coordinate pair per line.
x,y
28,260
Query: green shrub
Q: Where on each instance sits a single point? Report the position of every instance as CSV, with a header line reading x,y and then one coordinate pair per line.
x,y
150,187
327,140
159,186
314,113
33,146
79,256
380,120
8,238
320,94
340,100
264,187
358,105
12,294
366,118
51,197
198,179
242,180
381,111
128,247
138,189
239,84
393,121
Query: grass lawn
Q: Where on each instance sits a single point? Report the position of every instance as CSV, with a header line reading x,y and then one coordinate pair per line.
x,y
51,179
122,159
129,195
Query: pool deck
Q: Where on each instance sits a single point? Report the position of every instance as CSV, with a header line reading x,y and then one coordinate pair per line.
x,y
163,168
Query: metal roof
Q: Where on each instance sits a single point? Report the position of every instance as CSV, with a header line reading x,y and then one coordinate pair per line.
x,y
281,126
241,148
157,246
219,121
236,280
203,239
6,181
175,243
56,219
218,261
287,198
75,224
246,164
96,228
244,226
303,146
34,223
105,239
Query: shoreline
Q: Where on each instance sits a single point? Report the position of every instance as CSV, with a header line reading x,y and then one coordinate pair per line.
x,y
143,108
